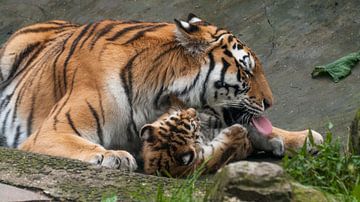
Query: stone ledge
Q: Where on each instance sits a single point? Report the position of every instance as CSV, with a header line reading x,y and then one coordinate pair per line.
x,y
64,179
71,180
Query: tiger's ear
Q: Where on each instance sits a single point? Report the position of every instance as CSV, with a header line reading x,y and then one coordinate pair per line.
x,y
191,35
147,133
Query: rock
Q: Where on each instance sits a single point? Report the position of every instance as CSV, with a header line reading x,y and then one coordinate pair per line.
x,y
304,193
354,135
251,181
70,180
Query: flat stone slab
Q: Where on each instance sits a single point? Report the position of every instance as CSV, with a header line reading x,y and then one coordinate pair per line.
x,y
11,193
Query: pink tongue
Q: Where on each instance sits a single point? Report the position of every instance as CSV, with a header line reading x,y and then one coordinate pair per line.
x,y
262,125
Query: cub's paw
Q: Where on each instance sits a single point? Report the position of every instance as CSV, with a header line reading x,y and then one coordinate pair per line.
x,y
117,159
235,130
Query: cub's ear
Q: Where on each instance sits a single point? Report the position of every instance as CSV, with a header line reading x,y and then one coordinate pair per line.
x,y
147,133
193,35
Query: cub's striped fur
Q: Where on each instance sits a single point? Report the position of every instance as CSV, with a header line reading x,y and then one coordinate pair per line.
x,y
84,91
174,144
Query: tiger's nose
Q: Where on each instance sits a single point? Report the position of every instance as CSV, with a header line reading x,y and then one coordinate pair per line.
x,y
267,103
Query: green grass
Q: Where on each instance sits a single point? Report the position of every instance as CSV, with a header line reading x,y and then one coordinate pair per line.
x,y
330,170
185,191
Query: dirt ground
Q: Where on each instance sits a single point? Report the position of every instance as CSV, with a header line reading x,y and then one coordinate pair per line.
x,y
290,37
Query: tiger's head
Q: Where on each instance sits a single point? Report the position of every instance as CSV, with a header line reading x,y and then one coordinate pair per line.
x,y
231,81
169,143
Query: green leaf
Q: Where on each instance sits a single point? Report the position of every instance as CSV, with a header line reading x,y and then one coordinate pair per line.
x,y
338,69
311,138
330,125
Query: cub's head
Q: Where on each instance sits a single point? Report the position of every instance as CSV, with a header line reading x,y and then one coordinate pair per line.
x,y
231,81
169,144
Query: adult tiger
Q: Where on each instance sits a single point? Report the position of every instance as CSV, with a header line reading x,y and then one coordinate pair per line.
x,y
84,91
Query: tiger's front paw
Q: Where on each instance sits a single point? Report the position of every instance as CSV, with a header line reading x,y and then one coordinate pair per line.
x,y
117,159
277,146
318,140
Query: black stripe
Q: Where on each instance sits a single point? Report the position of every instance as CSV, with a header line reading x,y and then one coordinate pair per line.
x,y
66,100
126,30
43,29
1,75
211,68
224,69
31,116
54,68
91,32
5,101
99,130
23,54
71,123
17,136
142,33
157,97
101,107
72,50
4,122
178,142
126,78
175,129
101,33
228,53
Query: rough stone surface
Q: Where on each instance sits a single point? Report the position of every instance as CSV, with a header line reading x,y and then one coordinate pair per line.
x,y
70,180
290,37
11,193
303,193
252,181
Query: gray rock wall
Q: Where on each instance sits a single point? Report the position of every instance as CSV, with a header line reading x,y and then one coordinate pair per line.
x,y
290,37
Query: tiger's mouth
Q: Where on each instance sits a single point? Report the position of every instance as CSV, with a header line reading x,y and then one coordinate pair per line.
x,y
233,115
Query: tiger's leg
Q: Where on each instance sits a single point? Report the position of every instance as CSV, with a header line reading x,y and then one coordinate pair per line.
x,y
76,131
281,142
232,143
294,140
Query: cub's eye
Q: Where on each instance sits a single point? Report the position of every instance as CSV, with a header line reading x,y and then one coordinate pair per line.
x,y
185,159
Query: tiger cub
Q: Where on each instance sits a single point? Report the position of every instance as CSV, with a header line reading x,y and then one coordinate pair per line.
x,y
174,144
